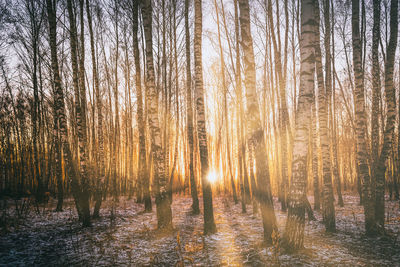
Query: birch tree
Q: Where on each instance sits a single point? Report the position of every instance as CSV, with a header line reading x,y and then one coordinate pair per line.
x,y
294,229
164,213
209,224
143,176
189,114
72,172
255,129
361,122
390,96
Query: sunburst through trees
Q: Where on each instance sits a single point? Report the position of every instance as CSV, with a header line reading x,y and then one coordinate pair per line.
x,y
195,111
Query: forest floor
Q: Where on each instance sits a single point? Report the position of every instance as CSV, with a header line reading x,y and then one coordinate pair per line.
x,y
131,238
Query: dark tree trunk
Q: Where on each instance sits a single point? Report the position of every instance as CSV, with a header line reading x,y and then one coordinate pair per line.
x,y
390,97
209,224
189,112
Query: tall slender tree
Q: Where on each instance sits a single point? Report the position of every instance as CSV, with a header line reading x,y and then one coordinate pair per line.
x,y
209,224
164,212
143,177
376,91
189,114
255,129
327,203
333,117
72,172
390,96
361,122
99,106
239,115
80,106
281,79
225,94
328,208
117,131
294,229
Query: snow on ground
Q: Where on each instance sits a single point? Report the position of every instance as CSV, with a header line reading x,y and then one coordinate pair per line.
x,y
132,239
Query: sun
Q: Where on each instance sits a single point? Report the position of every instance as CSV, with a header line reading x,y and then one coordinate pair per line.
x,y
212,177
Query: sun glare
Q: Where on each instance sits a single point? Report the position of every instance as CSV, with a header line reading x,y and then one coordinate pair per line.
x,y
212,177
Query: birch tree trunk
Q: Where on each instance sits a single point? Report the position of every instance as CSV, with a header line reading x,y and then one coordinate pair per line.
x,y
376,91
255,129
59,108
189,114
294,230
143,175
314,153
209,224
361,122
72,172
116,135
239,114
164,213
327,203
80,105
99,106
336,172
390,98
397,179
328,208
283,112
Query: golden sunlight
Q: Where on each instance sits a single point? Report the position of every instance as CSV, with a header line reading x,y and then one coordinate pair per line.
x,y
179,111
212,176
